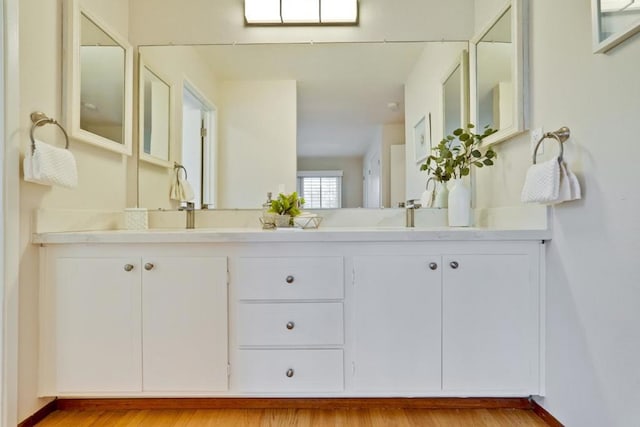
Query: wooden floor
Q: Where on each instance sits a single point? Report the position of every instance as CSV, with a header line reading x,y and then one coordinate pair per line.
x,y
295,417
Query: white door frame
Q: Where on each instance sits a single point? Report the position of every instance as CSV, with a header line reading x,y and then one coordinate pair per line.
x,y
10,218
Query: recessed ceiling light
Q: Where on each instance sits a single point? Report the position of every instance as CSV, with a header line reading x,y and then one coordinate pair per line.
x,y
339,11
300,11
292,12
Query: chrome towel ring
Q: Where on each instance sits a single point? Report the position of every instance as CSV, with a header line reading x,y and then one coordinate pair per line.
x,y
560,135
177,165
40,119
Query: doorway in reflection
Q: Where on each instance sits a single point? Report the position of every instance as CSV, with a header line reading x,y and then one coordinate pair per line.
x,y
199,130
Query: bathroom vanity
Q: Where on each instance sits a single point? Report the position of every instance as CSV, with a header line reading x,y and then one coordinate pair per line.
x,y
326,313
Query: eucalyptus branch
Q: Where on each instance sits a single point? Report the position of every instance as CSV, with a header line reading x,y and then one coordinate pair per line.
x,y
455,154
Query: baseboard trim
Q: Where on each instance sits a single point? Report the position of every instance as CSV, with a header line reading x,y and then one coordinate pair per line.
x,y
109,404
545,415
40,415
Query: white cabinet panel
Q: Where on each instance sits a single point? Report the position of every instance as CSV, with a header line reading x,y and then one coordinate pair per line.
x,y
277,371
397,302
184,316
289,278
97,325
290,324
489,323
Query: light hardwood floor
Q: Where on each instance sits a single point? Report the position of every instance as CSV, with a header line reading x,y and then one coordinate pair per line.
x,y
295,417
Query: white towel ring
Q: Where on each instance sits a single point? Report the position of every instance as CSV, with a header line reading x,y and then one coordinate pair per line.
x,y
40,119
561,135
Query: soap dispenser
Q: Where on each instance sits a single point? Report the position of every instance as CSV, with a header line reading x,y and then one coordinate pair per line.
x,y
268,219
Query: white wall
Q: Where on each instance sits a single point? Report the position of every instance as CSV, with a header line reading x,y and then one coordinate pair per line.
x,y
222,21
593,337
351,178
173,64
257,141
423,95
102,174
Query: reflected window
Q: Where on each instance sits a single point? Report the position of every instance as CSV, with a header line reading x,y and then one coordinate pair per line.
x,y
321,189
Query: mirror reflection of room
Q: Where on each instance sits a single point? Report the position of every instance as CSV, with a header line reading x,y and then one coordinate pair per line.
x,y
102,82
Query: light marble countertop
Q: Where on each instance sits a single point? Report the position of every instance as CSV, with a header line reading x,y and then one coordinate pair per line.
x,y
323,234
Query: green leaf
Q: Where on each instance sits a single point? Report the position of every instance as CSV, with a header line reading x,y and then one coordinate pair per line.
x,y
490,154
476,153
450,138
478,164
470,126
464,137
488,162
464,171
458,132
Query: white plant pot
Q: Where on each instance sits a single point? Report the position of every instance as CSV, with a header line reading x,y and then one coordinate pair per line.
x,y
459,204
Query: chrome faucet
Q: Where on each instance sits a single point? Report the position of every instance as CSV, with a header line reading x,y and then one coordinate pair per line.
x,y
410,209
191,214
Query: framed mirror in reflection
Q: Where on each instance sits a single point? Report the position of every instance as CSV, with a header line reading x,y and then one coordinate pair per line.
x,y
498,58
455,95
155,104
98,81
614,21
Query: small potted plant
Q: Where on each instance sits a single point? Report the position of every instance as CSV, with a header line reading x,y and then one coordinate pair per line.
x,y
452,160
286,207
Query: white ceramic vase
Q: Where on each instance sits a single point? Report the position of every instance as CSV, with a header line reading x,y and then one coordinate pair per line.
x,y
459,204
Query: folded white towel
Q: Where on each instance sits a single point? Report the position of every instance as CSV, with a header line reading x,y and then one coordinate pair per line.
x,y
49,165
550,182
181,189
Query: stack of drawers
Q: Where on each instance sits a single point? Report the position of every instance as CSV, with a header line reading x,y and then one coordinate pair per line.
x,y
290,325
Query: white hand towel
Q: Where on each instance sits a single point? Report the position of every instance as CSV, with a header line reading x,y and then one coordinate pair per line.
x,y
426,199
49,165
542,183
181,189
571,182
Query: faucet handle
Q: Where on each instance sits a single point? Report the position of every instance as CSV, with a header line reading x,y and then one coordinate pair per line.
x,y
413,204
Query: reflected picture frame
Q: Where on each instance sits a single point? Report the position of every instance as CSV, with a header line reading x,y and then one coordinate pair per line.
x,y
421,143
627,29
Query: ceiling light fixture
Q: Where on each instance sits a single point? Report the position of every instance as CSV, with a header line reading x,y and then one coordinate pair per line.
x,y
301,12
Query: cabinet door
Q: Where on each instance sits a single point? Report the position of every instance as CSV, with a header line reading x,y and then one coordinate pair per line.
x,y
184,325
98,325
489,323
397,303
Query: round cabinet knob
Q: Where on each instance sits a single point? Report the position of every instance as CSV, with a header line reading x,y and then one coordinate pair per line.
x,y
454,264
149,266
433,266
290,325
128,267
289,279
290,373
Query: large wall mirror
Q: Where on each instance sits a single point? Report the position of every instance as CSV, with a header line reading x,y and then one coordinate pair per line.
x,y
284,111
98,81
498,64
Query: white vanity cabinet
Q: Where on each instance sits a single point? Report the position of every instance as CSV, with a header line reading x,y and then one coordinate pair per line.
x,y
458,321
397,323
289,327
125,321
356,317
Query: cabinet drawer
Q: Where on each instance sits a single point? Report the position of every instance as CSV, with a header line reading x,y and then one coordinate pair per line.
x,y
290,278
280,371
290,324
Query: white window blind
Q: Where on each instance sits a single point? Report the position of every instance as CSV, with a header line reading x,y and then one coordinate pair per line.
x,y
320,189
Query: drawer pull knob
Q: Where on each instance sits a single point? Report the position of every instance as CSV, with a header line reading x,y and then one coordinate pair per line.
x,y
433,266
289,279
290,325
148,266
290,373
128,267
454,264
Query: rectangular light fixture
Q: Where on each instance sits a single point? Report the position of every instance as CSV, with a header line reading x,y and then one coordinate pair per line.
x,y
262,11
339,11
301,12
